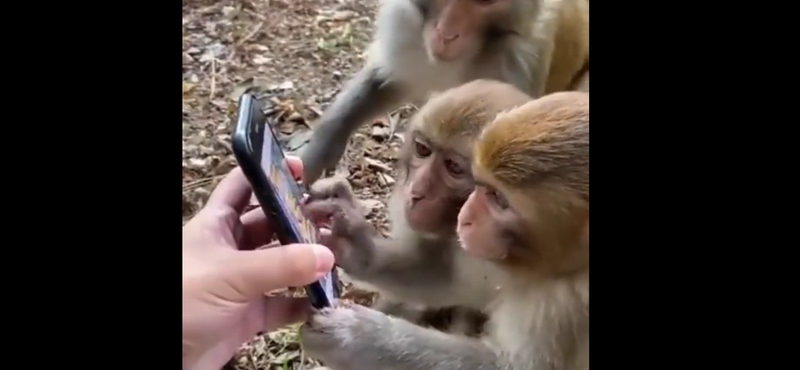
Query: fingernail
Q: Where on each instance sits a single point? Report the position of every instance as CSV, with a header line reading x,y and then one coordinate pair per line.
x,y
324,258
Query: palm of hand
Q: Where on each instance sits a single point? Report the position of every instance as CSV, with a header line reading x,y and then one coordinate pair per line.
x,y
212,308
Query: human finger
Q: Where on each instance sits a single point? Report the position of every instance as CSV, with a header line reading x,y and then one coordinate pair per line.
x,y
251,273
233,191
274,312
257,229
295,167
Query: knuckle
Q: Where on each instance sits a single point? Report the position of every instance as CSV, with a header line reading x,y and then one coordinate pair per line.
x,y
341,189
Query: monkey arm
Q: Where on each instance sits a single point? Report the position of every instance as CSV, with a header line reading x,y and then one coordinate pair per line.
x,y
400,264
366,95
358,338
422,349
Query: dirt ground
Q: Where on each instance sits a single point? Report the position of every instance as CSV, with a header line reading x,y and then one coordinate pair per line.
x,y
295,55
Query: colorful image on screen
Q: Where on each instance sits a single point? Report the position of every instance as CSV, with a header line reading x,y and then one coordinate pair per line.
x,y
290,195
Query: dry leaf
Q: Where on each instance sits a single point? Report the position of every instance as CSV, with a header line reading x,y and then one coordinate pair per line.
x,y
286,85
377,164
250,85
187,87
230,12
372,204
394,121
260,59
381,132
344,15
386,180
299,139
187,59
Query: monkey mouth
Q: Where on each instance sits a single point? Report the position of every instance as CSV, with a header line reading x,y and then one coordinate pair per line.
x,y
420,225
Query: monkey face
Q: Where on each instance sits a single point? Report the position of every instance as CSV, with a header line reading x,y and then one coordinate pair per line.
x,y
482,224
457,29
438,183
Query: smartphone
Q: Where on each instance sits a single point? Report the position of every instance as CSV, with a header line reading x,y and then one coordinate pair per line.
x,y
259,155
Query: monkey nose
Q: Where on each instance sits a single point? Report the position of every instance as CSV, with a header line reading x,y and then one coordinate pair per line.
x,y
448,39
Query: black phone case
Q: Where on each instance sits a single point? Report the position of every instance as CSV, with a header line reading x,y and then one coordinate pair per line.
x,y
245,148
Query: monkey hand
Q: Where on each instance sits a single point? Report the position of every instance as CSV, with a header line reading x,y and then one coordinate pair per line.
x,y
348,336
333,208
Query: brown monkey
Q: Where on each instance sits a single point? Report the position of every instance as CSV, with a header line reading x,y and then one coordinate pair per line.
x,y
421,46
580,81
528,215
435,181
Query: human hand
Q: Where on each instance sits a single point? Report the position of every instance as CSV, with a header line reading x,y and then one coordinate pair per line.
x,y
225,277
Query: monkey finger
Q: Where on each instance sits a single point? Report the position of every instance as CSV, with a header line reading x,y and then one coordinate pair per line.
x,y
334,187
281,311
342,190
329,240
340,223
325,236
321,210
317,318
295,165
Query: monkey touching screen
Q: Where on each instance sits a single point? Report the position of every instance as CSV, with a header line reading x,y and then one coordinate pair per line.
x,y
528,216
417,265
420,46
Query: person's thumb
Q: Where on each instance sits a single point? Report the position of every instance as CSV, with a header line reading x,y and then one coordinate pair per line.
x,y
253,273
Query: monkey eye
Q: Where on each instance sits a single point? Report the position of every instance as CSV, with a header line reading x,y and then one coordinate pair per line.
x,y
453,167
485,2
422,149
497,198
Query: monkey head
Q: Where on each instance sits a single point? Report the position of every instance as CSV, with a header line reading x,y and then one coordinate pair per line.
x,y
436,158
437,183
530,206
457,29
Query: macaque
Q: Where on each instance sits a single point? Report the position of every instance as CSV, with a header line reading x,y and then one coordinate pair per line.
x,y
412,270
420,46
581,80
528,215
583,83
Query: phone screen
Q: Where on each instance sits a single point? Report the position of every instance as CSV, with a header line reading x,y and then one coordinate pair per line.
x,y
289,197
261,158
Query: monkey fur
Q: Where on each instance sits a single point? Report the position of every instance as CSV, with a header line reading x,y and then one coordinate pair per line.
x,y
528,216
412,270
421,46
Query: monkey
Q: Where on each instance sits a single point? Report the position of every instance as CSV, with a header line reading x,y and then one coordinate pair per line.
x,y
528,215
583,83
434,182
420,46
580,81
